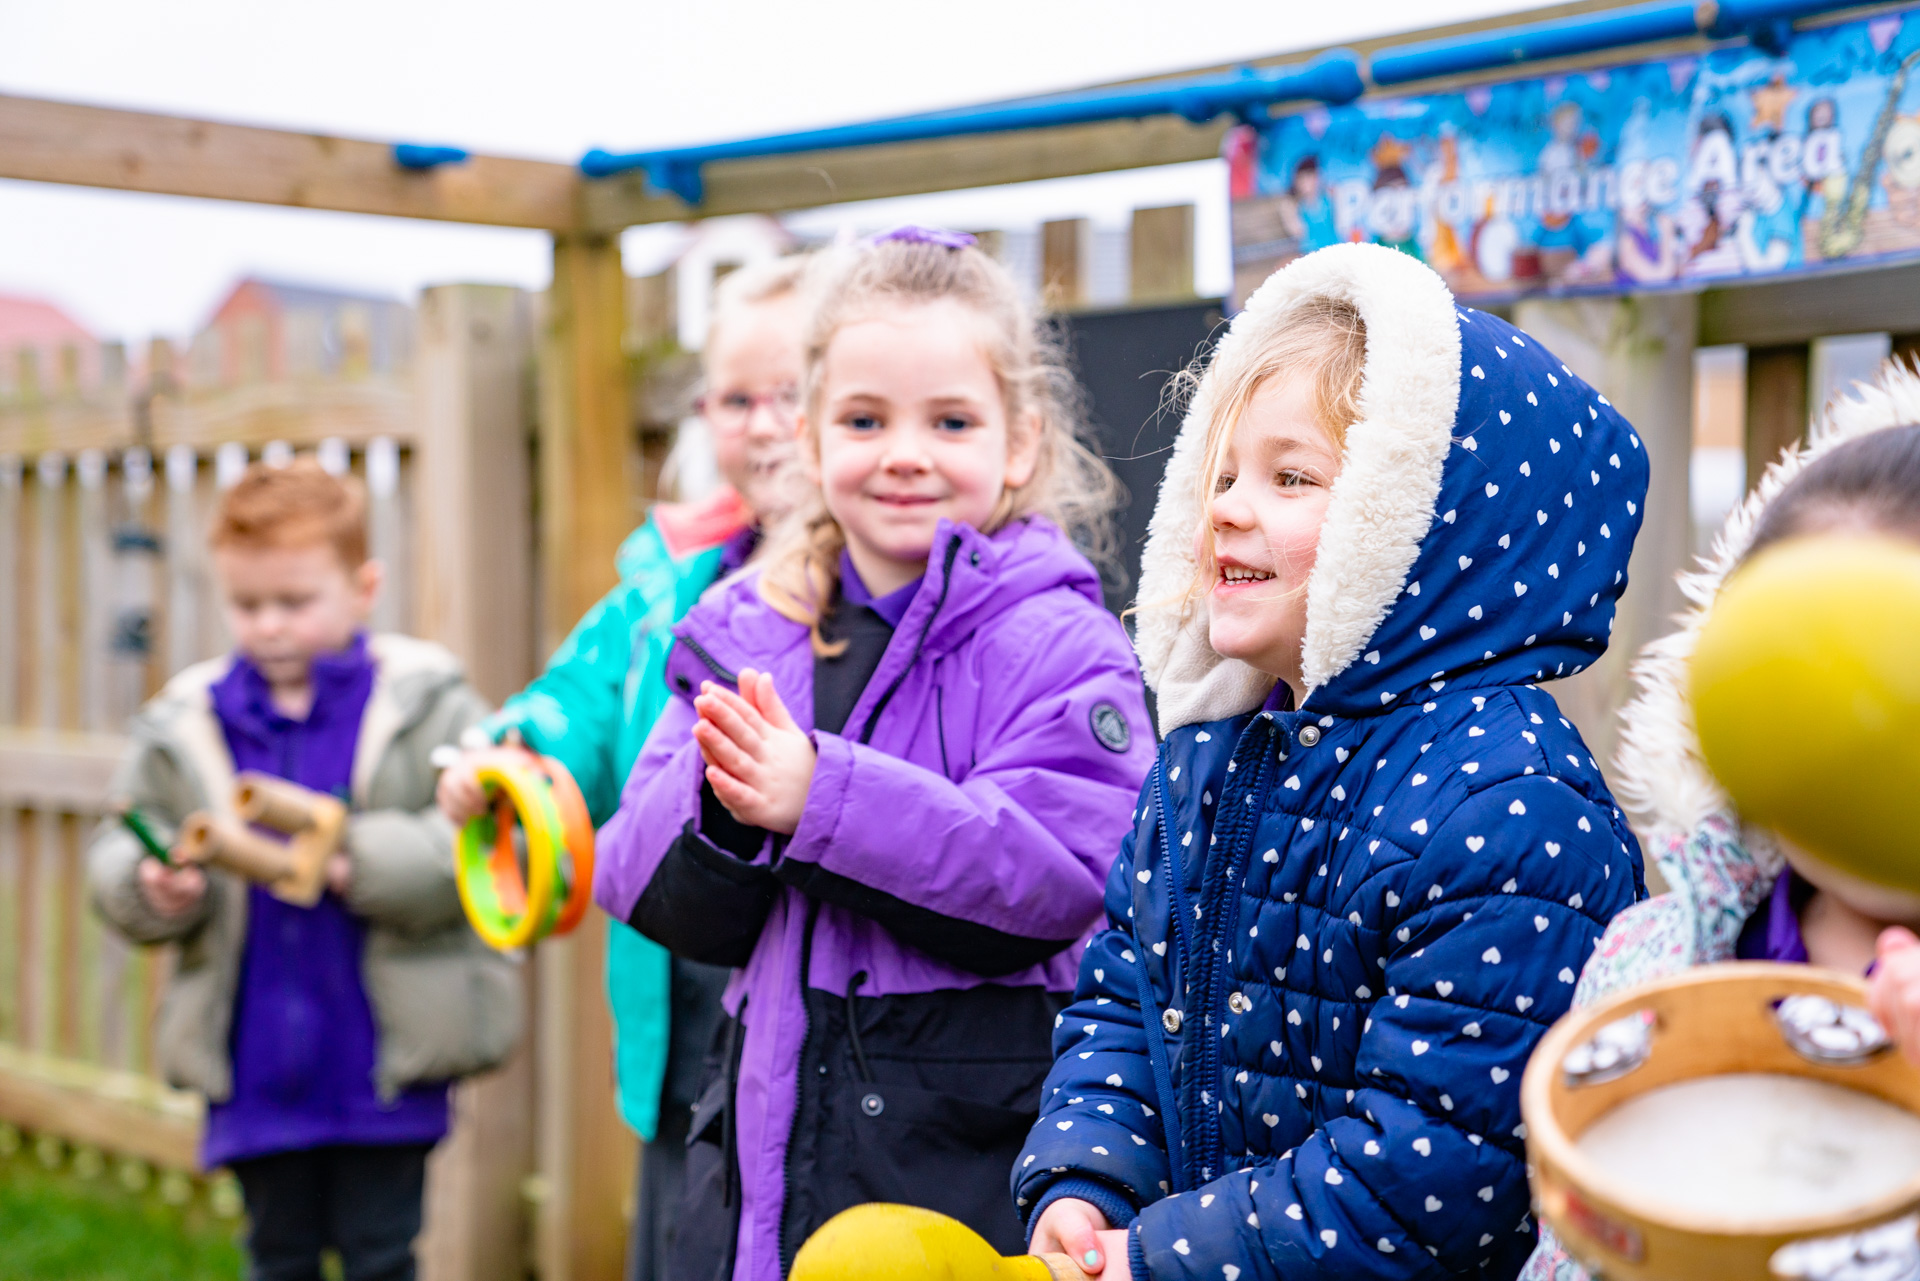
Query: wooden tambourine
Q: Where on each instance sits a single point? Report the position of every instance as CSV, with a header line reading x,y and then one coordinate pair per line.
x,y
1742,1018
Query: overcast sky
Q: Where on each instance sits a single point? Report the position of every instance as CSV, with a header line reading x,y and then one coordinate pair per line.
x,y
553,78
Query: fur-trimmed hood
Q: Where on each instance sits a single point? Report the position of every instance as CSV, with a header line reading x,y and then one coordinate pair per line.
x,y
1659,774
1479,530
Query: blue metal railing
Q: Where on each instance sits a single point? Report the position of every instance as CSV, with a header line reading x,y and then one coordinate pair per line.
x,y
1334,77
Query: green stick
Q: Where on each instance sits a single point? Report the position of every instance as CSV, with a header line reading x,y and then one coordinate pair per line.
x,y
134,823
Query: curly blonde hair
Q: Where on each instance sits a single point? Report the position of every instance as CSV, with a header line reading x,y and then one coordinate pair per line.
x,y
1070,484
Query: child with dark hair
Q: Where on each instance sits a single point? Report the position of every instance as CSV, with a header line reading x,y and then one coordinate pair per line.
x,y
324,1037
1739,891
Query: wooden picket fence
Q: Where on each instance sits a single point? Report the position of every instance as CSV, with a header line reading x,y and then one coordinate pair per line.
x,y
105,492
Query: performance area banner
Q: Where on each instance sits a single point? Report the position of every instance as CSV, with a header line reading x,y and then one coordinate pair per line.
x,y
1738,163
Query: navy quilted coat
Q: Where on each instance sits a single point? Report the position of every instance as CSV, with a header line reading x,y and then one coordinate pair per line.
x,y
1336,933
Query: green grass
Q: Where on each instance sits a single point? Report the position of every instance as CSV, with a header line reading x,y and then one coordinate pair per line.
x,y
88,1221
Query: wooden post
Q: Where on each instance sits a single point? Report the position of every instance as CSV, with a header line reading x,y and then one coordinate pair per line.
x,y
473,507
1063,258
587,1155
473,501
12,512
1160,252
1776,403
1638,352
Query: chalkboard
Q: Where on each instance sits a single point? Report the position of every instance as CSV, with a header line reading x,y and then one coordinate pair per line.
x,y
1125,360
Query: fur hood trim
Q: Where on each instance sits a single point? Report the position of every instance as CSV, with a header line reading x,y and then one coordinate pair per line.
x,y
1382,503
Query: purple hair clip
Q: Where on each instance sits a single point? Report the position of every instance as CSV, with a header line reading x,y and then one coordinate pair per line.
x,y
917,235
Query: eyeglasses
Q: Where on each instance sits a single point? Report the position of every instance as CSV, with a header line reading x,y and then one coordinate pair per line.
x,y
731,411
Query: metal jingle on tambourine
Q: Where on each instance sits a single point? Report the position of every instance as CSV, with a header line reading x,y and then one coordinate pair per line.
x,y
1612,1052
1827,1031
1888,1252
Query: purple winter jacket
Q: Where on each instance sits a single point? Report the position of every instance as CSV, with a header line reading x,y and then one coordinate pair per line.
x,y
952,853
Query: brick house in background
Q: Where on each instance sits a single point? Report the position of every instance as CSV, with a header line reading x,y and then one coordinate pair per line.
x,y
269,330
47,354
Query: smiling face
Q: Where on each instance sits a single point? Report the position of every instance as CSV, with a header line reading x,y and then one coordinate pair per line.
x,y
1270,498
753,366
913,428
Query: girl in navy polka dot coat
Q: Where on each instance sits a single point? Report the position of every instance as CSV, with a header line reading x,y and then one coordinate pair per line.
x,y
1372,856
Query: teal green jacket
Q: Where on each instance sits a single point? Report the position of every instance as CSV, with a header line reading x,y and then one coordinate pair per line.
x,y
592,708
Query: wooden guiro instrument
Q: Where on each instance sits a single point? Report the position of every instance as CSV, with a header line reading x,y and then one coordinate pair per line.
x,y
293,869
881,1242
1822,1188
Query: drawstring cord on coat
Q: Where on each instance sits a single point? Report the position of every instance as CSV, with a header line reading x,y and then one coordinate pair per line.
x,y
853,1027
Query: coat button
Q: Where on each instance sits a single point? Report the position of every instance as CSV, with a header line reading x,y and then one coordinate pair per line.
x,y
872,1104
1171,1021
1238,1003
1309,735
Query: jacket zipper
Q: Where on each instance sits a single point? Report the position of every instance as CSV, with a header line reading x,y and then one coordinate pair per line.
x,y
946,584
1218,897
713,664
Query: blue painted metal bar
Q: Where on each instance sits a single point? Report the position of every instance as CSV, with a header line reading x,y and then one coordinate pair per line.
x,y
1589,33
1332,77
419,159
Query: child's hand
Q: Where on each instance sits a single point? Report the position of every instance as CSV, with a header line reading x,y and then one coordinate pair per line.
x,y
1076,1229
339,873
170,891
759,762
459,793
1894,992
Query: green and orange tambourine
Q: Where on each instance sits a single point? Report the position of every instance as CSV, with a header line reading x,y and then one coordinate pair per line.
x,y
510,906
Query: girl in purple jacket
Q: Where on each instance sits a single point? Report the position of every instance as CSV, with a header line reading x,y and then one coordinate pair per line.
x,y
890,785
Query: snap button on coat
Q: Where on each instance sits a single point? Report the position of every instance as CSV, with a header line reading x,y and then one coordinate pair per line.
x,y
1309,735
1171,1021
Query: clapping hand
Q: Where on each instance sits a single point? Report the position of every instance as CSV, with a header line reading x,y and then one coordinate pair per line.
x,y
759,762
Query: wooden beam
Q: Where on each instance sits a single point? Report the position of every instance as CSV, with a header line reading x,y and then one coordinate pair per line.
x,y
474,535
114,1111
43,141
1160,254
1064,246
1786,312
587,506
55,771
1777,381
302,413
871,173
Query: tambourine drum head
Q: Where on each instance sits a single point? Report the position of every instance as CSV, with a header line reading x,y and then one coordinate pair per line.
x,y
1740,1122
1756,1148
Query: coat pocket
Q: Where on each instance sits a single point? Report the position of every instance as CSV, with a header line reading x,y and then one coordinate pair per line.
x,y
922,1147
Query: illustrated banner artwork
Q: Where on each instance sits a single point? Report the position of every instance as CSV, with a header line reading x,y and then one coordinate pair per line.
x,y
1736,163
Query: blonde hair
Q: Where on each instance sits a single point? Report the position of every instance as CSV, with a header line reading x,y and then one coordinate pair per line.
x,y
298,505
1322,339
1070,485
755,283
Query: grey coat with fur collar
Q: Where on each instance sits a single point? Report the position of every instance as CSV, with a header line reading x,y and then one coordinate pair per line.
x,y
444,1004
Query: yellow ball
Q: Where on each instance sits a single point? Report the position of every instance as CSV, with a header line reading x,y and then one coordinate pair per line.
x,y
1806,698
881,1242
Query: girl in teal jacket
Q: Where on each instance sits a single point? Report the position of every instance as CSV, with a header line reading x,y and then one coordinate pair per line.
x,y
592,707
